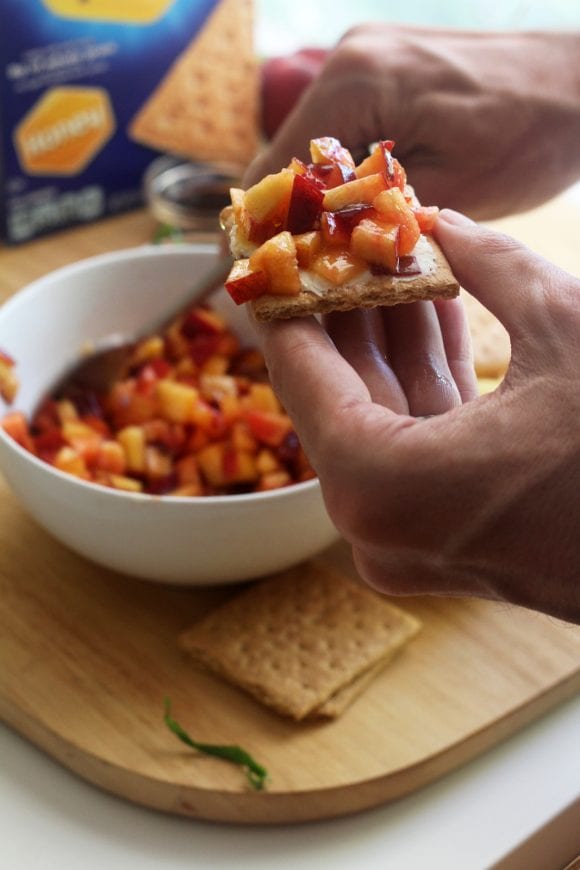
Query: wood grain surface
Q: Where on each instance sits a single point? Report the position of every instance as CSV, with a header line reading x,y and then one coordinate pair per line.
x,y
87,656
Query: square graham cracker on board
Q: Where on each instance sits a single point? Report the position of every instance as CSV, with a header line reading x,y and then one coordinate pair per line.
x,y
304,643
206,108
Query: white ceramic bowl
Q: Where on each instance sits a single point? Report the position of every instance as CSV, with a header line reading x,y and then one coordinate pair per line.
x,y
195,541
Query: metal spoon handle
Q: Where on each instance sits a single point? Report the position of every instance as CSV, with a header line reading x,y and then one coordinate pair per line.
x,y
201,289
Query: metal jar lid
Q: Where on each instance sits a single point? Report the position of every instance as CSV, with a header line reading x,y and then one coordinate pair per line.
x,y
188,196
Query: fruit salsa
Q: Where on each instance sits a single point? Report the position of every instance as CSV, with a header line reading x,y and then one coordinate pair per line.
x,y
330,217
8,379
195,415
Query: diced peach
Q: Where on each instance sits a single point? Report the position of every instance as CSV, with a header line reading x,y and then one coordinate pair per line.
x,y
111,458
84,439
188,471
327,149
297,167
267,462
268,427
215,365
241,216
393,208
188,490
338,266
8,380
361,190
372,164
262,398
239,466
244,283
230,408
66,410
426,216
16,425
132,440
273,480
127,484
242,439
213,387
202,415
211,463
176,401
158,464
380,160
149,348
277,259
376,244
67,459
307,246
268,200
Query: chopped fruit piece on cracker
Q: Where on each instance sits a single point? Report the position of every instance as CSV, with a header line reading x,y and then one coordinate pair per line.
x,y
329,235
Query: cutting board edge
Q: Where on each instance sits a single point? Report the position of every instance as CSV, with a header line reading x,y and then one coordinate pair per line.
x,y
271,807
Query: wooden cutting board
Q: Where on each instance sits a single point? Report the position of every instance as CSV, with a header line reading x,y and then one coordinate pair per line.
x,y
87,656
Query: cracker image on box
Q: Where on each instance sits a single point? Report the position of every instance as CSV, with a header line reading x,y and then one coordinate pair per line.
x,y
333,235
304,643
206,107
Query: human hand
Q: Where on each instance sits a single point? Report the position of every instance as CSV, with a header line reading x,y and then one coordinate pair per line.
x,y
487,123
482,499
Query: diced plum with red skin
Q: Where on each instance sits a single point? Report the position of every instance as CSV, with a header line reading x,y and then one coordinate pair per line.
x,y
16,425
334,232
408,265
337,226
202,347
305,206
269,427
244,284
202,320
330,175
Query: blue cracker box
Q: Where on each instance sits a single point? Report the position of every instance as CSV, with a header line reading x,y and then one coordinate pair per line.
x,y
93,90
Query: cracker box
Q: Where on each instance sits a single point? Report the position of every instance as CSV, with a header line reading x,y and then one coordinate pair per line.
x,y
93,90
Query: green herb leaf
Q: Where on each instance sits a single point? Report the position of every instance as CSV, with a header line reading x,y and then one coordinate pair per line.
x,y
166,232
255,773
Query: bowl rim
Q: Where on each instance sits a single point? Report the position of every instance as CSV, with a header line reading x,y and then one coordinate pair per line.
x,y
29,291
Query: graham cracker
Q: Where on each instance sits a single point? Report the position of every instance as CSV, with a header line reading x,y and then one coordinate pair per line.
x,y
343,698
206,107
298,640
491,342
375,290
362,292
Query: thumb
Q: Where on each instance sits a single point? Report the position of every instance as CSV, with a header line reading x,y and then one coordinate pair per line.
x,y
508,278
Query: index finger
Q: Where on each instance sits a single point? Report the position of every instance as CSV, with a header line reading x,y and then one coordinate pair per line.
x,y
313,381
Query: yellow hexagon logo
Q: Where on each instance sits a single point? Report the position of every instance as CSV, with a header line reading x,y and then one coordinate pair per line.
x,y
64,131
125,11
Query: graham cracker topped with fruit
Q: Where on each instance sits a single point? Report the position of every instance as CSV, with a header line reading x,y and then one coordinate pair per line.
x,y
331,235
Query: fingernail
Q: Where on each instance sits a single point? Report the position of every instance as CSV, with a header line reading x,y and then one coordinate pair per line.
x,y
455,218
